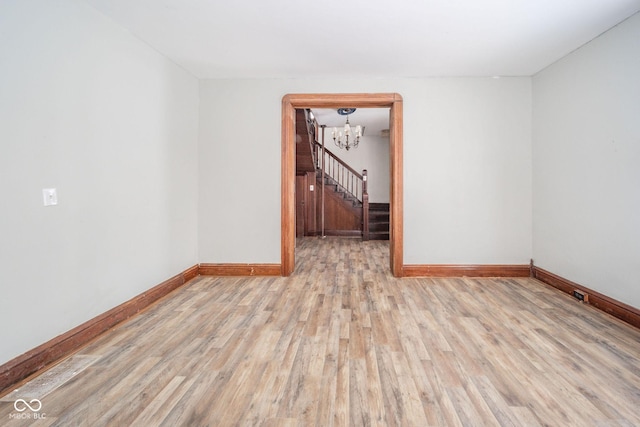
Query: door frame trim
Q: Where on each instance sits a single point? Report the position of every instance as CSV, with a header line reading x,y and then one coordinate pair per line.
x,y
290,102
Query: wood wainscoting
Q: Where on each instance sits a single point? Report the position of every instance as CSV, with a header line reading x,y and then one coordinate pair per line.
x,y
34,360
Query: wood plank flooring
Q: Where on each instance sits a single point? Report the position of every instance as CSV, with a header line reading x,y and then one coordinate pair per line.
x,y
343,343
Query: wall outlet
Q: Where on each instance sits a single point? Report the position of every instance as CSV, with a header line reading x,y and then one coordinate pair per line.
x,y
50,196
581,296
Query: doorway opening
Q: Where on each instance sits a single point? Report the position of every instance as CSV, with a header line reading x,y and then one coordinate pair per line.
x,y
290,103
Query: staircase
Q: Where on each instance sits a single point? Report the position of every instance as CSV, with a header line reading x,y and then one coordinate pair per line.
x,y
378,212
342,214
340,206
378,221
338,190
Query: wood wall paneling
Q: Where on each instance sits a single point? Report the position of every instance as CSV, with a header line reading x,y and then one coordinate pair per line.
x,y
306,205
311,205
301,211
340,219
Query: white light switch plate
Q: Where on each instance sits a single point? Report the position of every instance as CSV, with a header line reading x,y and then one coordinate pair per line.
x,y
49,196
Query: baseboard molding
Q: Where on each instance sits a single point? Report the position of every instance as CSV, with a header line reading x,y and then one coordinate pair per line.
x,y
460,270
45,354
343,233
240,269
607,304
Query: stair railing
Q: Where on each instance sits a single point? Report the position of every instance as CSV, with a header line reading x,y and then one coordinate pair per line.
x,y
348,179
344,175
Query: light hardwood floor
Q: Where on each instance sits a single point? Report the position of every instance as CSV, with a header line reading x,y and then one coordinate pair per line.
x,y
341,342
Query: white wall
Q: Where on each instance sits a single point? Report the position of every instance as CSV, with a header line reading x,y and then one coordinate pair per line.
x,y
467,167
87,108
586,157
468,172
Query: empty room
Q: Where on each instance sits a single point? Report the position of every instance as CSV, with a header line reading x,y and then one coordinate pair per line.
x,y
348,213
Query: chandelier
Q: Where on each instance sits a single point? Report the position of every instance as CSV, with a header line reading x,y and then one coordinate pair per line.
x,y
346,138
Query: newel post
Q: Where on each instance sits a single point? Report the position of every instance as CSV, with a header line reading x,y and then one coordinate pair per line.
x,y
365,207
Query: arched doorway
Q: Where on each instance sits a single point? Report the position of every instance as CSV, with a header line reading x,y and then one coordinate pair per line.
x,y
288,159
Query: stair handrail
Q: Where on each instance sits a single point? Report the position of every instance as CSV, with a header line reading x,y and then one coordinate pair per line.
x,y
351,181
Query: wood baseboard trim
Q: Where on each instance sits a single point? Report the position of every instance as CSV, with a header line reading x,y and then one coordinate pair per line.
x,y
23,366
343,233
616,308
455,270
240,269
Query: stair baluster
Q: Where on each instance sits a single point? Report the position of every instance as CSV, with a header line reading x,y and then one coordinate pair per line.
x,y
352,184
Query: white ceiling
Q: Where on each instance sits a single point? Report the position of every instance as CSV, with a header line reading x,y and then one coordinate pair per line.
x,y
365,38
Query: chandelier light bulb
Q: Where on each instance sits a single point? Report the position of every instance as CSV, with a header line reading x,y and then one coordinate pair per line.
x,y
346,132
